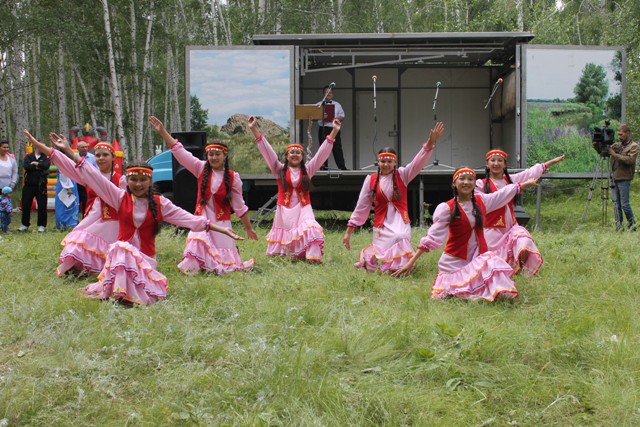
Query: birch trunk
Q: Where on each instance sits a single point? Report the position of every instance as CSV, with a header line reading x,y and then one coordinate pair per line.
x,y
3,109
16,82
520,8
115,92
214,21
63,124
75,102
142,95
149,113
85,94
176,120
36,85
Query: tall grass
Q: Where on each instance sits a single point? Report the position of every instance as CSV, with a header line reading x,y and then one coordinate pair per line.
x,y
555,129
296,344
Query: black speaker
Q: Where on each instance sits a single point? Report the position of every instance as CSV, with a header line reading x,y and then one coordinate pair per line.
x,y
185,185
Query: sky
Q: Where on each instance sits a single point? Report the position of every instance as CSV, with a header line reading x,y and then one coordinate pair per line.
x,y
554,72
243,81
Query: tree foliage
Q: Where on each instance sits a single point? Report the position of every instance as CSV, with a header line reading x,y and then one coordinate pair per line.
x,y
149,40
198,114
592,88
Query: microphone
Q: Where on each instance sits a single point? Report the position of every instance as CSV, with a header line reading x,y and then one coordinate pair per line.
x,y
374,78
332,85
435,99
493,91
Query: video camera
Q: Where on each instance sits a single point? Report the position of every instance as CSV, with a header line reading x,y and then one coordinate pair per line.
x,y
604,137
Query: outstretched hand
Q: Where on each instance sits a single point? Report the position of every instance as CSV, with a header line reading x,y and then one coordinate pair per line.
x,y
229,232
156,124
252,235
434,134
529,183
346,240
46,150
253,125
552,162
60,142
406,270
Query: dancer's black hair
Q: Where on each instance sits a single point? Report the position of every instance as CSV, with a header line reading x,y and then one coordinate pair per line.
x,y
153,206
476,211
207,172
396,193
306,181
487,187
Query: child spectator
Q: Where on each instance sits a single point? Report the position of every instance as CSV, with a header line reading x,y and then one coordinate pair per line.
x,y
6,208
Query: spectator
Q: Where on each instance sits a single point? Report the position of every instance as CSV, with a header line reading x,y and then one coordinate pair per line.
x,y
36,167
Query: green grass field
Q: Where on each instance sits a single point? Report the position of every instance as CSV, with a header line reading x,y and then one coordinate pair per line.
x,y
296,344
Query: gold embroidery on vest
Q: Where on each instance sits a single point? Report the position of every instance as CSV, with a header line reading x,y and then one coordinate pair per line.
x,y
499,223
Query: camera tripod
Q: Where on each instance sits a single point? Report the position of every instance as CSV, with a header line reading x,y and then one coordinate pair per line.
x,y
602,175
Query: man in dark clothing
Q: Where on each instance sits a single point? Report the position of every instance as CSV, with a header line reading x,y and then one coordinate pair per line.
x,y
36,167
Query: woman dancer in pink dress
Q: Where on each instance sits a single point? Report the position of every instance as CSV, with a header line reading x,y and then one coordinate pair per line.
x,y
129,274
295,232
386,190
219,192
504,236
467,269
85,247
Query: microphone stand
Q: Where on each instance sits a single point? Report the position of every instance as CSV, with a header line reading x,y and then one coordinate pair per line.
x,y
436,162
323,134
375,123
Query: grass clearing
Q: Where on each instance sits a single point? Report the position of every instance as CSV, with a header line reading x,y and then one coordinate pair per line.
x,y
296,344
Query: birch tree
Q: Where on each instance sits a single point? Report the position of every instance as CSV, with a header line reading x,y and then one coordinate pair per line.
x,y
115,92
63,123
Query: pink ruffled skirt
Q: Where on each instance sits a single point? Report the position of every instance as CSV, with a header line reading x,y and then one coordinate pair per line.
x,y
486,277
375,258
128,276
516,246
83,251
296,233
202,253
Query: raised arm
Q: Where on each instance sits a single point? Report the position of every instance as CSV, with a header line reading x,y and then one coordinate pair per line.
x,y
420,160
42,147
265,148
178,216
536,171
183,156
109,193
325,149
503,196
61,143
157,126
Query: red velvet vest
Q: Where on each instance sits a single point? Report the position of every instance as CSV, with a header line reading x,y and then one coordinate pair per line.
x,y
284,191
222,208
460,232
498,217
381,202
128,228
108,213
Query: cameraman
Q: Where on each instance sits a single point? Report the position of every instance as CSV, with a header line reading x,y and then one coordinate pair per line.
x,y
623,162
